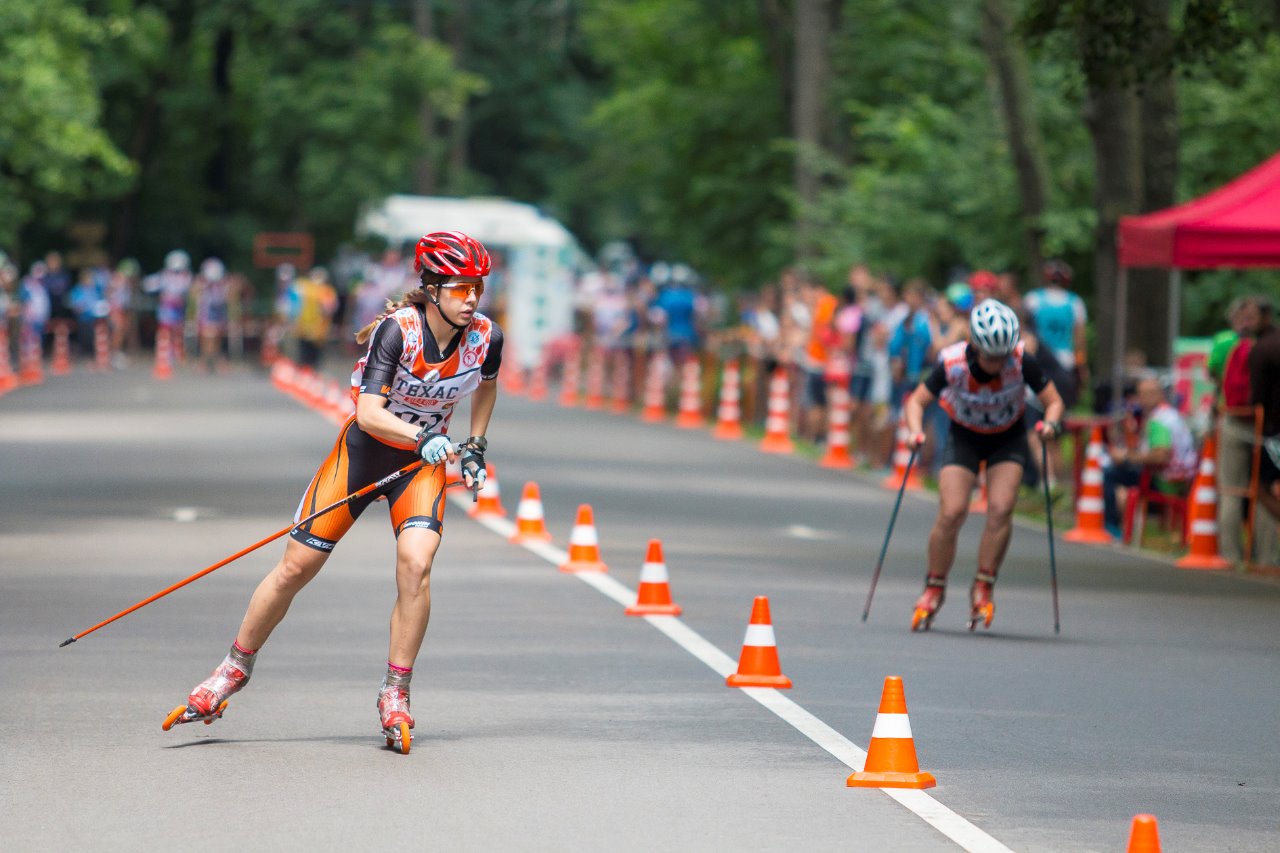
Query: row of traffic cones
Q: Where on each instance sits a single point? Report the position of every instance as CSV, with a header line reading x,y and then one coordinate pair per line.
x,y
313,390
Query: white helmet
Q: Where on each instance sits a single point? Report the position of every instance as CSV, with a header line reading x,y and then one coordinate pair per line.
x,y
177,260
993,328
212,269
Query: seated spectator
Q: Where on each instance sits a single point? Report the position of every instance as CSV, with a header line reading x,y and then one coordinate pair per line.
x,y
1166,445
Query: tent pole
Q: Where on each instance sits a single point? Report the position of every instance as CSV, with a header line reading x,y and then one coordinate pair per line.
x,y
1175,310
1121,320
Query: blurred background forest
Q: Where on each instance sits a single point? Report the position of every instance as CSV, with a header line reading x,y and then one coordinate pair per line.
x,y
738,136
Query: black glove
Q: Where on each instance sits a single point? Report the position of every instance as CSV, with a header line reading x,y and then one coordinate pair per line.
x,y
474,471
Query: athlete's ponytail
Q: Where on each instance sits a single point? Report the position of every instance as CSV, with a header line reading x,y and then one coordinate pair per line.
x,y
413,297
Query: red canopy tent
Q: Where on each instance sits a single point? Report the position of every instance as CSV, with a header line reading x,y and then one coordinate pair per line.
x,y
1236,226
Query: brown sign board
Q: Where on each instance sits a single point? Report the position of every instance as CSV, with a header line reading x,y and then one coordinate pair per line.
x,y
271,249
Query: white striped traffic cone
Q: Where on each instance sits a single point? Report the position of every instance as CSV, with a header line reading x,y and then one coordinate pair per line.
x,y
777,423
758,665
729,412
584,545
690,413
655,390
531,525
489,499
839,414
1203,515
653,598
891,756
1090,525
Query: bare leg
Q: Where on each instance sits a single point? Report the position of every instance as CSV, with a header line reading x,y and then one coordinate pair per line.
x,y
415,551
1003,480
273,596
955,485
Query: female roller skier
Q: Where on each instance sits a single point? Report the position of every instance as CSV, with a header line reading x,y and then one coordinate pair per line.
x,y
981,384
424,355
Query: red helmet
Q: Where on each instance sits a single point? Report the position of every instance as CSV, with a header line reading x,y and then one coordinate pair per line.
x,y
983,280
450,253
1056,272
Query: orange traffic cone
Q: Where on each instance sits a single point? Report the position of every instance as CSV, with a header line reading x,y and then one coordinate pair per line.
x,y
690,412
489,498
1203,517
891,757
571,378
729,412
980,502
1089,522
901,455
758,665
8,381
30,359
101,346
777,426
163,368
60,364
839,414
653,598
1144,835
281,370
538,381
584,545
595,381
531,526
513,381
655,390
620,390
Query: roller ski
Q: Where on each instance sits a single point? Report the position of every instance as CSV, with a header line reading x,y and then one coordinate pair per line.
x,y
929,603
982,605
208,701
393,710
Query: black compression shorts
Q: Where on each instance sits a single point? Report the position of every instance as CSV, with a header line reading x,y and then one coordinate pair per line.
x,y
968,448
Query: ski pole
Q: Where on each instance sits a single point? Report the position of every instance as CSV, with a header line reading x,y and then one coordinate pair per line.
x,y
354,496
875,576
1048,514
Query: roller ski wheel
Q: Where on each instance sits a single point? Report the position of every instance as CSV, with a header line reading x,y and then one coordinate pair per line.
x,y
393,711
929,603
982,607
399,738
187,714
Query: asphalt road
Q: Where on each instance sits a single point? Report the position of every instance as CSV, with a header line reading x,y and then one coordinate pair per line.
x,y
547,720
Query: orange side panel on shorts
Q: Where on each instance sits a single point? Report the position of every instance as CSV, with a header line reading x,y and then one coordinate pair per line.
x,y
328,485
424,497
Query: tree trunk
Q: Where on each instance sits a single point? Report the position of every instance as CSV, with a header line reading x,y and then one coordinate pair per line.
x,y
810,73
1112,115
1009,64
424,169
458,128
1150,292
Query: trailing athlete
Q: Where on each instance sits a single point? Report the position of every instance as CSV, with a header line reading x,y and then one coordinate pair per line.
x,y
981,384
426,354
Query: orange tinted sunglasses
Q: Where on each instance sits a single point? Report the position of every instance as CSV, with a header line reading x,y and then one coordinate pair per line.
x,y
464,289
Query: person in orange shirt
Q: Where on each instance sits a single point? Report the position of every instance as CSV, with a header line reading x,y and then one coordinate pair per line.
x,y
822,308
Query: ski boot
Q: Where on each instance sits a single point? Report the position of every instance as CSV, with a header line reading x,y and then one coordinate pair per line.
x,y
393,709
929,603
208,701
983,607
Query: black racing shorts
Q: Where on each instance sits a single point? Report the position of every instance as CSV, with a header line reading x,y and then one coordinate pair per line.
x,y
968,448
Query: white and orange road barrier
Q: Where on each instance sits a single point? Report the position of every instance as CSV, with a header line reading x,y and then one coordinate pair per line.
x,y
777,422
758,665
584,545
839,416
513,382
281,370
891,756
8,380
60,363
901,456
594,398
655,390
571,378
689,415
620,386
980,500
101,346
531,524
1144,835
653,598
163,368
30,359
1202,520
729,412
538,381
1090,526
489,499
337,405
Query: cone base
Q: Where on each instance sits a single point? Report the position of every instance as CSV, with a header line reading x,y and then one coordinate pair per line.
x,y
653,417
569,402
777,445
654,610
1212,563
836,461
740,680
891,780
1084,534
894,481
60,369
584,566
728,433
520,538
487,513
690,422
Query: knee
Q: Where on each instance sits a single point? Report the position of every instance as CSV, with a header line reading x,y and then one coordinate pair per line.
x,y
950,519
296,569
414,572
999,512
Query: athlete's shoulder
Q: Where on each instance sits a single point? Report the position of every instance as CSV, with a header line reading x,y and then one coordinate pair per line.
x,y
951,352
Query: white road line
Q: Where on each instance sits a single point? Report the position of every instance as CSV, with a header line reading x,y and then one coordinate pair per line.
x,y
932,812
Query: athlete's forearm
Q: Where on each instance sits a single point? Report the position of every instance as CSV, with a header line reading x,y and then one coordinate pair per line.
x,y
372,417
913,411
482,403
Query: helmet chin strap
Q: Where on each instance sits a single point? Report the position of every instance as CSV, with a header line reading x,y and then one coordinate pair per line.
x,y
435,300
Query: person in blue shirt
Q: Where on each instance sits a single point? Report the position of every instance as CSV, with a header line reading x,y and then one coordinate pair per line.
x,y
678,304
909,345
1061,322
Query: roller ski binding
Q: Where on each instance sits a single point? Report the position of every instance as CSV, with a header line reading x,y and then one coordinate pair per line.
x,y
393,709
208,701
982,606
929,603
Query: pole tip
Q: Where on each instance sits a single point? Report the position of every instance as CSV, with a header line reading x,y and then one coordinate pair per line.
x,y
68,641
